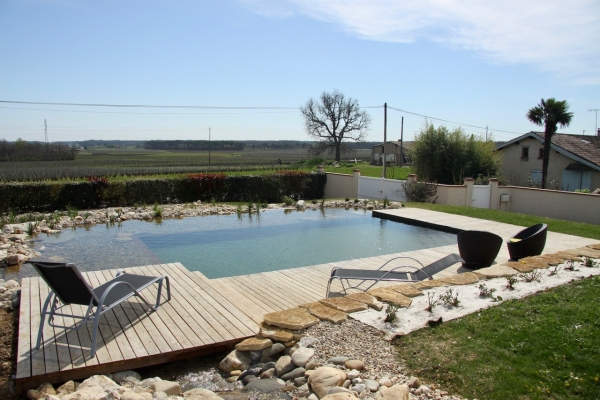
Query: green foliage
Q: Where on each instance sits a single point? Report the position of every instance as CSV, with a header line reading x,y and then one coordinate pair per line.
x,y
449,156
418,192
288,201
390,312
450,298
157,211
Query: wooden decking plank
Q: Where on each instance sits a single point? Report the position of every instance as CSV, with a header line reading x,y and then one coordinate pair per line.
x,y
307,286
178,309
24,343
85,339
204,308
247,305
266,294
277,286
242,290
38,361
49,338
224,305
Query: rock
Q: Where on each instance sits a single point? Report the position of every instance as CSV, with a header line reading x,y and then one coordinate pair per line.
x,y
371,384
255,356
124,376
99,382
235,360
352,374
300,381
284,365
366,298
359,388
131,395
264,386
344,304
354,364
340,393
11,284
324,378
340,360
294,318
41,391
407,289
249,378
235,372
296,373
313,397
466,278
250,371
66,388
200,394
301,356
387,382
300,204
495,271
275,349
270,373
385,294
92,393
396,392
308,341
253,344
414,382
303,391
312,364
325,313
168,387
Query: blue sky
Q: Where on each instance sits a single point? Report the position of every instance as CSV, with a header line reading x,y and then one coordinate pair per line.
x,y
473,62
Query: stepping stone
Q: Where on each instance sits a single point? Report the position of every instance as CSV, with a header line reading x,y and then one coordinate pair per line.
x,y
568,255
535,262
344,304
369,300
465,278
428,284
495,271
520,267
586,252
293,318
275,333
251,344
550,259
385,294
407,289
595,246
325,313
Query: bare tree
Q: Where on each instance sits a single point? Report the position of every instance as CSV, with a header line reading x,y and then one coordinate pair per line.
x,y
332,119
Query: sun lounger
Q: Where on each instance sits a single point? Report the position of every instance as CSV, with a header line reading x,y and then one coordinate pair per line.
x,y
399,273
69,287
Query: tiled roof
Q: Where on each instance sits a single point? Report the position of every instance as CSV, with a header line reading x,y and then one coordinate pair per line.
x,y
584,146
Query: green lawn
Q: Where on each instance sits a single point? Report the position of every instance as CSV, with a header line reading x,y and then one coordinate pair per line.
x,y
554,225
544,346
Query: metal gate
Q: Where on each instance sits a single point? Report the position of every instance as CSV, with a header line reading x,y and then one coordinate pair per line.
x,y
481,196
380,188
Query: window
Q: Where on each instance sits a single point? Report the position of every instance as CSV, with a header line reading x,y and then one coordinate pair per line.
x,y
536,177
540,153
524,153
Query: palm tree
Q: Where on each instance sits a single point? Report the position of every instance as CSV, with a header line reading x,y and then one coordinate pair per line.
x,y
549,113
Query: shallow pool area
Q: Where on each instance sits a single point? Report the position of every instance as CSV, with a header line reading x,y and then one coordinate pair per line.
x,y
229,245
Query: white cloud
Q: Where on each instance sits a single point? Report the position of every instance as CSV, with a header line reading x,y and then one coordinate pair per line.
x,y
553,35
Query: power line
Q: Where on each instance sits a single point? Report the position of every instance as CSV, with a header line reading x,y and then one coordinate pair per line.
x,y
145,106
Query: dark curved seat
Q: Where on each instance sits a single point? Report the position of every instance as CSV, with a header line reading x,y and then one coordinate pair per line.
x,y
478,249
528,242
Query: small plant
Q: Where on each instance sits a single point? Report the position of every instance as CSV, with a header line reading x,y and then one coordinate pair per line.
x,y
314,201
288,201
554,270
356,201
390,312
323,203
263,205
450,298
31,228
347,199
589,262
431,302
87,215
239,210
570,266
484,291
418,192
158,211
531,276
213,201
510,282
72,212
386,202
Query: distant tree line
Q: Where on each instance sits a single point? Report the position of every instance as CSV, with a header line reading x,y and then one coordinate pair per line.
x,y
194,145
20,150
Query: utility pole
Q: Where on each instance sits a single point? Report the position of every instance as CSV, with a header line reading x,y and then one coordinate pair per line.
x,y
384,136
209,148
486,133
402,142
46,141
596,110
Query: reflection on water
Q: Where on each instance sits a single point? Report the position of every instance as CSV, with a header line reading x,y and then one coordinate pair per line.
x,y
238,244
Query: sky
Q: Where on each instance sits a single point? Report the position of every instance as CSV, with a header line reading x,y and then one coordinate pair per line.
x,y
243,68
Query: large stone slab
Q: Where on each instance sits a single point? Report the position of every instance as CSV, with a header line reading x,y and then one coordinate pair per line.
x,y
385,294
550,259
325,313
275,333
495,271
466,278
520,267
366,298
586,252
344,304
428,284
595,246
568,255
293,318
407,289
251,344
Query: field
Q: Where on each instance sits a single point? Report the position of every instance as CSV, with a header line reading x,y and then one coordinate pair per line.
x,y
102,162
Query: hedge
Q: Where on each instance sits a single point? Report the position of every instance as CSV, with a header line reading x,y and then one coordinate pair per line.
x,y
100,193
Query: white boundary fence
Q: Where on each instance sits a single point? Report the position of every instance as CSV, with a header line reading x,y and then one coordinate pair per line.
x,y
380,188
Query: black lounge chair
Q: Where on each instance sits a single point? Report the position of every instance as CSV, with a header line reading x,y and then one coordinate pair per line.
x,y
395,274
478,249
69,287
528,242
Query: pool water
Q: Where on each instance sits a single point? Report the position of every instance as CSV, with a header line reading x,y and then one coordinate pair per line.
x,y
220,246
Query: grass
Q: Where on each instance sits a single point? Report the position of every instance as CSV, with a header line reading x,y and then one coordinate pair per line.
x,y
544,346
554,225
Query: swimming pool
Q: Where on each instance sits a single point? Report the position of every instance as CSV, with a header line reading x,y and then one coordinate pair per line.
x,y
220,246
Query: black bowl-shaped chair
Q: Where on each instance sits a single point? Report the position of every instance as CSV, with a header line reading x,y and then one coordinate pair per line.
x,y
528,242
478,249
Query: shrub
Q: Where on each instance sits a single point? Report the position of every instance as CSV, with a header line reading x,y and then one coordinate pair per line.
x,y
418,192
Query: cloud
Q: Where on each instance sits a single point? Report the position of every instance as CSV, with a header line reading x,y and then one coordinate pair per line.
x,y
552,35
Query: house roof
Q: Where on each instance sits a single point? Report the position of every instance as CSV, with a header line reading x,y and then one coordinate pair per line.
x,y
584,149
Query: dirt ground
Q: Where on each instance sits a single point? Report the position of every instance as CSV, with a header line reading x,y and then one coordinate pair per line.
x,y
8,351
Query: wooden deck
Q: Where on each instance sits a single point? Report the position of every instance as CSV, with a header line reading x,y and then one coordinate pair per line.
x,y
204,315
